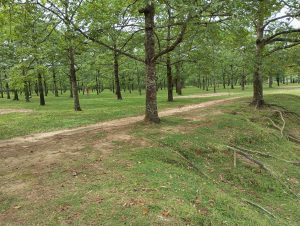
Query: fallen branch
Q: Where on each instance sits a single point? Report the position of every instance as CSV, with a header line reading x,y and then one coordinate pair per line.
x,y
260,207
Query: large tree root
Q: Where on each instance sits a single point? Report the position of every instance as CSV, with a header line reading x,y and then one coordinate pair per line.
x,y
268,155
261,165
276,126
260,207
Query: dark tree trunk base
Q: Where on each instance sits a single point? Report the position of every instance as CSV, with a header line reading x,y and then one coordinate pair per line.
x,y
258,103
152,119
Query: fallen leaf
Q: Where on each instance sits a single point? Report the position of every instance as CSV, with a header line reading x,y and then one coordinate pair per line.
x,y
165,213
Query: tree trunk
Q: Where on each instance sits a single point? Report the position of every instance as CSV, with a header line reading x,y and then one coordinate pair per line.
x,y
258,99
16,96
169,79
41,91
243,80
270,81
7,88
151,113
178,79
73,79
116,72
26,91
168,63
1,87
45,87
54,82
71,87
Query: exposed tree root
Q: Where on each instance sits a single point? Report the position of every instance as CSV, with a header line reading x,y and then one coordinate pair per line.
x,y
283,125
276,126
263,166
260,207
268,155
247,156
294,139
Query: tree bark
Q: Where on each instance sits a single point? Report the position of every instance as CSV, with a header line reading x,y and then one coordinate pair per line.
x,y
73,79
168,63
54,81
258,99
26,91
243,80
1,87
41,91
169,79
270,81
151,113
7,88
116,72
16,96
178,79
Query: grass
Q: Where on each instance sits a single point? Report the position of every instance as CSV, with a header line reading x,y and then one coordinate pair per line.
x,y
156,176
58,113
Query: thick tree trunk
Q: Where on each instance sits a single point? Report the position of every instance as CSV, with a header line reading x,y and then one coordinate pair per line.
x,y
258,99
151,113
74,80
41,91
116,72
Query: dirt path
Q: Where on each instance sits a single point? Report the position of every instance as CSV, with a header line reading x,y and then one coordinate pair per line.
x,y
27,140
201,96
9,110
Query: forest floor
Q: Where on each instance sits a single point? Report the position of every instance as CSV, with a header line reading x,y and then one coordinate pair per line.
x,y
180,172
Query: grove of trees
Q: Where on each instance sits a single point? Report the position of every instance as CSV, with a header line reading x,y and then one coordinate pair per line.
x,y
146,45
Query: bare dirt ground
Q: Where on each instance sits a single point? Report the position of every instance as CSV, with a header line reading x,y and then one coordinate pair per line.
x,y
202,96
9,110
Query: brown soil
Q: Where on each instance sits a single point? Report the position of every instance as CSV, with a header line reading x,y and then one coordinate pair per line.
x,y
202,96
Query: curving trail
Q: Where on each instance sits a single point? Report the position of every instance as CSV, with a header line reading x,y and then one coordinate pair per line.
x,y
113,124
